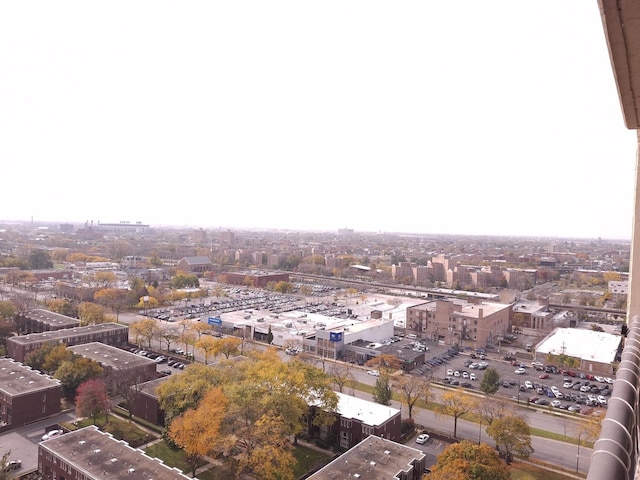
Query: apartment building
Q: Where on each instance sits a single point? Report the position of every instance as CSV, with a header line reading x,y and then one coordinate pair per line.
x,y
460,322
90,454
376,458
40,320
26,395
18,347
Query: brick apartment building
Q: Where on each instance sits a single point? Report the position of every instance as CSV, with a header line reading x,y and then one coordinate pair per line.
x,y
18,347
26,395
255,279
121,368
460,322
89,454
40,320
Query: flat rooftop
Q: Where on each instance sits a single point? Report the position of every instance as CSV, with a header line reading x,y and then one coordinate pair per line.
x,y
66,333
51,318
372,459
581,343
109,356
369,413
17,379
99,455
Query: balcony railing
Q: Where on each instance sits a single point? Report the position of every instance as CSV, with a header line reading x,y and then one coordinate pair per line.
x,y
615,454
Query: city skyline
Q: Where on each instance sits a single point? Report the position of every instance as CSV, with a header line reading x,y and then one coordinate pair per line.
x,y
487,119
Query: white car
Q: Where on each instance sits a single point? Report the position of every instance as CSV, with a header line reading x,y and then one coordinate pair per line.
x,y
449,372
556,403
528,385
422,439
472,376
520,371
602,400
374,373
51,434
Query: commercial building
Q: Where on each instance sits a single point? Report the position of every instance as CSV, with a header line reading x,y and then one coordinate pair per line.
x,y
255,279
596,351
89,454
375,458
18,347
26,395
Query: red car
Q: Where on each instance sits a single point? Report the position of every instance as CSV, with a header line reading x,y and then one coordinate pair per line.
x,y
543,375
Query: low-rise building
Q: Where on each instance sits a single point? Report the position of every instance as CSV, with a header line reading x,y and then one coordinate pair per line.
x,y
26,395
41,320
19,346
90,454
376,458
144,401
121,368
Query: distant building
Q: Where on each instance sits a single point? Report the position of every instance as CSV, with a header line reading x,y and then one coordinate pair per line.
x,y
375,458
255,279
41,320
145,404
26,395
89,454
18,347
195,264
402,272
619,290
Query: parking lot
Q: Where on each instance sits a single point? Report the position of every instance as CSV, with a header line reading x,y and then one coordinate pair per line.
x,y
536,384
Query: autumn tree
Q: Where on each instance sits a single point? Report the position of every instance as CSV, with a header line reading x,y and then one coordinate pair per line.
x,y
73,373
200,328
487,409
490,381
469,461
114,298
39,260
413,388
7,323
37,358
5,474
512,433
197,430
62,306
92,399
229,346
456,403
91,314
146,328
208,346
385,363
168,336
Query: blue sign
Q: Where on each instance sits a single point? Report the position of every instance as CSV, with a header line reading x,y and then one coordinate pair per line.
x,y
214,321
335,336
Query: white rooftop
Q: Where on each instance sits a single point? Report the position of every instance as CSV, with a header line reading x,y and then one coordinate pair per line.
x,y
369,413
581,343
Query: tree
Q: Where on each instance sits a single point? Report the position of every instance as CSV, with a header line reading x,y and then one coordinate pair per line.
x,y
114,298
412,388
382,392
490,408
456,403
385,363
229,346
91,399
39,260
490,381
4,473
168,336
208,345
197,430
341,375
73,373
91,314
468,461
512,433
146,328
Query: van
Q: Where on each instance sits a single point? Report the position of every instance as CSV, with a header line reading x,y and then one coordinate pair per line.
x,y
412,336
528,347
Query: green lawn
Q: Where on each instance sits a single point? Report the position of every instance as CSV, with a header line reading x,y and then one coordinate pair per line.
x,y
525,471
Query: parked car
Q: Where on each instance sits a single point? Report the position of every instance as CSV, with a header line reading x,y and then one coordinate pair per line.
x,y
374,373
422,439
51,434
519,371
13,465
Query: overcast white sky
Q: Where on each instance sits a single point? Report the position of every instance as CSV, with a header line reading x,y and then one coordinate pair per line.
x,y
461,117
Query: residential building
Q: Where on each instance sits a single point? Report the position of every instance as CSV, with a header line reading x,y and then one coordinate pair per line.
x,y
403,272
41,320
121,368
375,458
144,401
18,347
90,454
195,264
460,322
26,395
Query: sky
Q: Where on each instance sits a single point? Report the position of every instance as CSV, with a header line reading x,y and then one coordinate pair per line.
x,y
457,117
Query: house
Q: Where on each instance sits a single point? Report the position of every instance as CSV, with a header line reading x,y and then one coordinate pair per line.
x,y
375,458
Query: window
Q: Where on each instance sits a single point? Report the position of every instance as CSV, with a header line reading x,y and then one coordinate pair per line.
x,y
345,423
